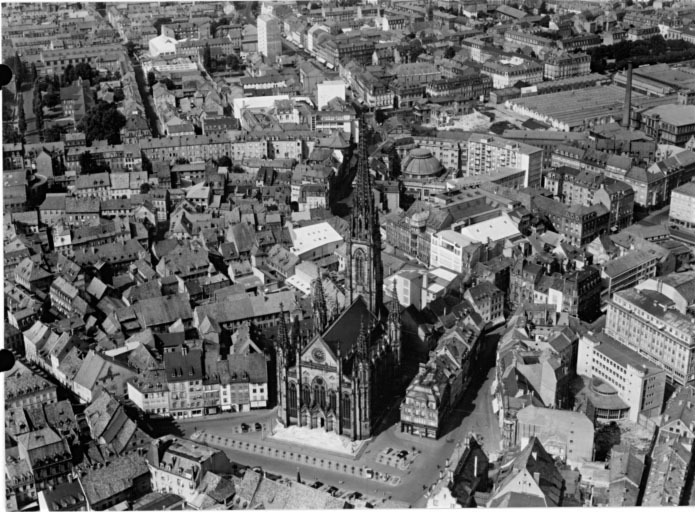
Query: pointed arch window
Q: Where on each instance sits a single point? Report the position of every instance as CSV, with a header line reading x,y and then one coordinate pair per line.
x,y
346,409
360,267
292,400
320,392
306,395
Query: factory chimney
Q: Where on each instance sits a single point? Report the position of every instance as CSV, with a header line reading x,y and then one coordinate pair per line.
x,y
628,97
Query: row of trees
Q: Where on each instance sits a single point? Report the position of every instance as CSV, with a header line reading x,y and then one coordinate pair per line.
x,y
655,50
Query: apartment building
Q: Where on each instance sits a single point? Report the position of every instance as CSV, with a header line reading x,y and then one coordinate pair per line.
x,y
566,65
580,224
655,320
506,72
488,154
638,382
184,375
585,188
464,87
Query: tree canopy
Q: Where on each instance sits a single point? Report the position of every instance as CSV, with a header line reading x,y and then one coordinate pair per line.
x,y
224,161
21,118
103,122
89,165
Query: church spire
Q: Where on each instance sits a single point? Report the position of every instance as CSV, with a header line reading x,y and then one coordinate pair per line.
x,y
363,211
395,306
319,306
364,266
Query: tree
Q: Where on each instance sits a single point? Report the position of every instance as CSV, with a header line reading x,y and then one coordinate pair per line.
x,y
69,74
33,73
18,69
118,95
130,48
39,116
450,52
53,133
89,165
207,58
224,161
10,135
21,119
103,122
233,62
51,98
181,161
157,24
84,71
151,79
145,188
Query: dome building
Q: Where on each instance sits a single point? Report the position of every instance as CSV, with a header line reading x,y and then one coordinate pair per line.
x,y
420,164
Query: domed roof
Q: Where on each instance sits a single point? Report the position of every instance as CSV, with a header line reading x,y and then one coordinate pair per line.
x,y
421,164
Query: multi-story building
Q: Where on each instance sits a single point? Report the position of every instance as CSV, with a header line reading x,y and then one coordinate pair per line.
x,y
488,301
579,224
627,271
178,466
668,124
447,250
184,376
48,456
654,319
682,209
488,154
150,393
55,61
580,42
27,390
585,188
515,40
566,65
638,382
466,87
508,71
426,403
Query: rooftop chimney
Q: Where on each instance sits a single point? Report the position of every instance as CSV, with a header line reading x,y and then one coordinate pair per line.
x,y
628,97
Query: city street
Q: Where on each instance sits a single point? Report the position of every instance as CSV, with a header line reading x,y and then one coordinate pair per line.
x,y
472,415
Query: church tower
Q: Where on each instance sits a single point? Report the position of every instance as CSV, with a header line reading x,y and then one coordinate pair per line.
x,y
364,268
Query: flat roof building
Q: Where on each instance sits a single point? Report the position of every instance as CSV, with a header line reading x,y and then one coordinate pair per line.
x,y
638,382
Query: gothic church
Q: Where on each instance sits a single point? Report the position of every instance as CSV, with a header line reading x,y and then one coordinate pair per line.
x,y
342,376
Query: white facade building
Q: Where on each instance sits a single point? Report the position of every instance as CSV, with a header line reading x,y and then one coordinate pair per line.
x,y
639,383
269,37
328,90
488,154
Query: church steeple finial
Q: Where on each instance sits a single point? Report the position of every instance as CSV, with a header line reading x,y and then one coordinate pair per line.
x,y
395,306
